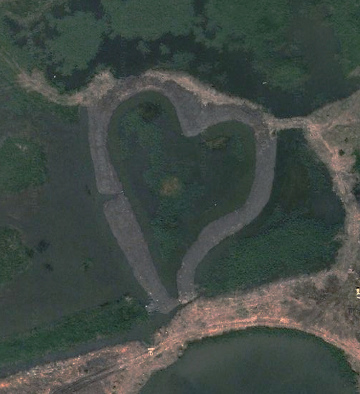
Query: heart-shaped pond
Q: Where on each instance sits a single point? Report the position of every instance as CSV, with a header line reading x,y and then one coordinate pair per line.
x,y
177,184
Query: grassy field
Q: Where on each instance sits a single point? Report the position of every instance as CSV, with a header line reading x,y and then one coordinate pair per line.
x,y
110,319
22,164
293,235
177,184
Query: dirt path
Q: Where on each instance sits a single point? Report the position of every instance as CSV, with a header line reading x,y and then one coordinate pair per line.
x,y
127,232
195,116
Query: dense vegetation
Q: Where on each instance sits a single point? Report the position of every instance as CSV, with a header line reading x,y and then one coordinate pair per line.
x,y
14,256
276,53
177,184
74,54
293,235
149,20
104,321
22,164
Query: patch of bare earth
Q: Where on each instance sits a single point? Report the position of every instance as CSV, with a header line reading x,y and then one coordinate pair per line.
x,y
170,187
323,304
98,88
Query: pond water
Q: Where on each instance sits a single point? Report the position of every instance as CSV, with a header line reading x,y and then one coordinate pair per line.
x,y
257,361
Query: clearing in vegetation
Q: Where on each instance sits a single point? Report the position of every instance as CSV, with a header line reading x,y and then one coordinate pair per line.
x,y
295,234
22,164
177,185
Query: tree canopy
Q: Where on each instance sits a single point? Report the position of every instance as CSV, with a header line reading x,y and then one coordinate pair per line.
x,y
78,40
149,19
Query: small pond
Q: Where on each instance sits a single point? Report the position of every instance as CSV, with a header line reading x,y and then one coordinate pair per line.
x,y
257,361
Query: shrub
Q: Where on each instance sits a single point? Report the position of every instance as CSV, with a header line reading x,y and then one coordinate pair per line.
x,y
22,164
14,256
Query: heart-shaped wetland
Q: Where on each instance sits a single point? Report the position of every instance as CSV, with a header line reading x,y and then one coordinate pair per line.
x,y
177,185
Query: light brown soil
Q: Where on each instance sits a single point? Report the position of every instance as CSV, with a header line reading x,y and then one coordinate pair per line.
x,y
170,187
305,303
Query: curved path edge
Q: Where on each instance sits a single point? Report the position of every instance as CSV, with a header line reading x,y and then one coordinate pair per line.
x,y
127,232
195,116
227,225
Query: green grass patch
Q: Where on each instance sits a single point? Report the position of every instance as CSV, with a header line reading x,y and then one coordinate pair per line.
x,y
293,235
14,255
176,184
136,19
22,164
101,322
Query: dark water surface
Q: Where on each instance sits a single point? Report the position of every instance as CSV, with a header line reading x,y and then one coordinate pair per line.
x,y
257,361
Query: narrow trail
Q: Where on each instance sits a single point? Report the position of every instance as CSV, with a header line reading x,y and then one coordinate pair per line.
x,y
275,305
127,232
195,116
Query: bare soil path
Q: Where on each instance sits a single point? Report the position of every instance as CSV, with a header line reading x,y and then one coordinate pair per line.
x,y
195,116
